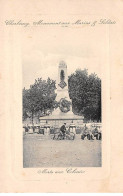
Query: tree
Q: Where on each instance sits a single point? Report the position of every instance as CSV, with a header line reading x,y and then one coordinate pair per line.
x,y
40,98
85,92
26,104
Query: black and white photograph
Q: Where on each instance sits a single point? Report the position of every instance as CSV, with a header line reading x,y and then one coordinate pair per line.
x,y
61,84
62,102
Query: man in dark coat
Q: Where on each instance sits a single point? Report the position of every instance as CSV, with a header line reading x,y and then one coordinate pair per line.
x,y
26,129
63,130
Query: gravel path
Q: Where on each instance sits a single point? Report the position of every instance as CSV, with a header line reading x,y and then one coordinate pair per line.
x,y
41,152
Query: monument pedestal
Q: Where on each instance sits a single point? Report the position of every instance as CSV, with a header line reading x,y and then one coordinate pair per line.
x,y
73,128
47,130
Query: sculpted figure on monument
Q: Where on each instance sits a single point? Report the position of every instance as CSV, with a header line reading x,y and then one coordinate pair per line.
x,y
64,105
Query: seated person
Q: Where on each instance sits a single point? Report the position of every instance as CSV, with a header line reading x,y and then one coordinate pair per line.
x,y
87,133
97,133
90,135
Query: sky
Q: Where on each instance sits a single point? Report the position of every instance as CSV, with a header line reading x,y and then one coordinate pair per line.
x,y
44,48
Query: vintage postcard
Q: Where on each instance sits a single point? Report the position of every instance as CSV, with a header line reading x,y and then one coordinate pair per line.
x,y
59,100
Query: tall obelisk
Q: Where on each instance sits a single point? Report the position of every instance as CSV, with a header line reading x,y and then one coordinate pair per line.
x,y
62,82
63,113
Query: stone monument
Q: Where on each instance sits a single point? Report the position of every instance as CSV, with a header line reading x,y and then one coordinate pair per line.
x,y
63,114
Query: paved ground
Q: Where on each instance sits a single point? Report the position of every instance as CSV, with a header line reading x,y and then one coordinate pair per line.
x,y
41,152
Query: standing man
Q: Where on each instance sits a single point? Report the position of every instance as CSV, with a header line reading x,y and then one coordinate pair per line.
x,y
63,130
33,128
26,129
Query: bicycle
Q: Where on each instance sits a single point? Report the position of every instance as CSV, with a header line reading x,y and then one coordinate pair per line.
x,y
67,136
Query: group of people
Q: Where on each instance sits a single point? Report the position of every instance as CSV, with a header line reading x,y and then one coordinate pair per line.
x,y
27,128
89,133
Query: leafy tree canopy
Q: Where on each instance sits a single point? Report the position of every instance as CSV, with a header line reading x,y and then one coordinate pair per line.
x,y
39,98
85,92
